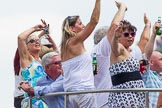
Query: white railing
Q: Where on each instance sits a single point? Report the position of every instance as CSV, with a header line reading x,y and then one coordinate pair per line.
x,y
66,94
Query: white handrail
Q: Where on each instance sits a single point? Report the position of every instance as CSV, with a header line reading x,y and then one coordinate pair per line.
x,y
147,90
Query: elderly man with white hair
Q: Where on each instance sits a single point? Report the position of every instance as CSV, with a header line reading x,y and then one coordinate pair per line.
x,y
51,83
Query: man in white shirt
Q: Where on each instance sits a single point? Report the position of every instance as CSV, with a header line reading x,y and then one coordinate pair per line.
x,y
102,79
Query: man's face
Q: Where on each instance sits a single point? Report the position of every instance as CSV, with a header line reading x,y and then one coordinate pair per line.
x,y
55,65
157,62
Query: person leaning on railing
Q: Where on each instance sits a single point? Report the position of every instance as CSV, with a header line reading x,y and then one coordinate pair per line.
x,y
51,83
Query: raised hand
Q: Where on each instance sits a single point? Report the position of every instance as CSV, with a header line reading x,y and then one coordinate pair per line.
x,y
146,20
48,37
25,86
119,31
46,29
39,27
120,4
156,25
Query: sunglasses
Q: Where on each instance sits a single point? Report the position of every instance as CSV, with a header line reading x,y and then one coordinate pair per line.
x,y
33,41
56,62
72,20
126,34
71,17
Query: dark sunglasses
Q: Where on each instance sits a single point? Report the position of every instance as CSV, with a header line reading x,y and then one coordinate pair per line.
x,y
126,34
34,40
56,62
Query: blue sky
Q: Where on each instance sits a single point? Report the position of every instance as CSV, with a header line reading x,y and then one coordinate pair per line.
x,y
18,15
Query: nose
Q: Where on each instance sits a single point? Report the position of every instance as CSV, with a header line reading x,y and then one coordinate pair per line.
x,y
37,41
83,26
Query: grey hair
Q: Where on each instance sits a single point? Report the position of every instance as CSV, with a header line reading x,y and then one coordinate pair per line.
x,y
99,34
46,59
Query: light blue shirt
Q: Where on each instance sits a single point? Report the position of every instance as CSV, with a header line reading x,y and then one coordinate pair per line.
x,y
152,80
46,85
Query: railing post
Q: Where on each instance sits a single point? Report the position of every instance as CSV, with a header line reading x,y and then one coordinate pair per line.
x,y
147,99
67,94
66,97
30,102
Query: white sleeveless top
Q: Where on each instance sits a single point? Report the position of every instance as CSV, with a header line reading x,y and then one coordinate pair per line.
x,y
78,73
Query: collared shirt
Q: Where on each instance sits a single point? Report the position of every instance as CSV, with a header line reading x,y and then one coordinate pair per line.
x,y
47,85
152,80
160,75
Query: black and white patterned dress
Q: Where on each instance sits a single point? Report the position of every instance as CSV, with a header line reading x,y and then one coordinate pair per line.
x,y
126,79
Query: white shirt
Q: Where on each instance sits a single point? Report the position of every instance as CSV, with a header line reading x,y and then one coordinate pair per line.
x,y
78,73
18,92
103,78
136,52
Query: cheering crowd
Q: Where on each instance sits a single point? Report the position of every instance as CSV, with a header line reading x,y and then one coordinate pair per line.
x,y
42,68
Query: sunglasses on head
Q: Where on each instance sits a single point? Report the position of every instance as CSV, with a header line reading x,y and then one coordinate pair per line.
x,y
71,17
34,40
72,20
126,34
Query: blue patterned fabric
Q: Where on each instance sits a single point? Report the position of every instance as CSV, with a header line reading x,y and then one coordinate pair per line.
x,y
152,80
31,74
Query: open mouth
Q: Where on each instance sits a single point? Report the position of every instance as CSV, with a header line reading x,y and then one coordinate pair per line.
x,y
130,40
37,45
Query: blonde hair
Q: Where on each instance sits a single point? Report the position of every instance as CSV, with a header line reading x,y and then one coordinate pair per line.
x,y
44,50
30,37
66,32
